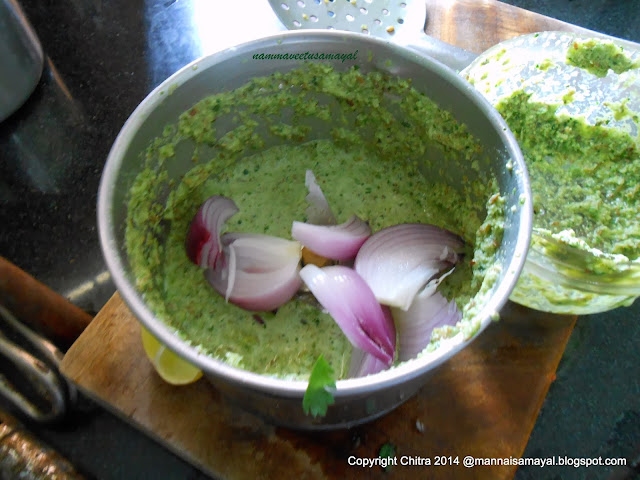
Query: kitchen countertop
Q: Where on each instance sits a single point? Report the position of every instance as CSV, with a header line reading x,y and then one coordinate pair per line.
x,y
102,58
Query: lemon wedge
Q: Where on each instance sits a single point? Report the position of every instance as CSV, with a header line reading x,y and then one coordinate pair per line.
x,y
171,368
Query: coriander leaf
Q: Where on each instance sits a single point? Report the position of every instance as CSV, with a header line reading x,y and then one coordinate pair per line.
x,y
388,450
318,396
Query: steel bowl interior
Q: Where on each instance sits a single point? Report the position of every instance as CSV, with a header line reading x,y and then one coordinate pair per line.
x,y
357,400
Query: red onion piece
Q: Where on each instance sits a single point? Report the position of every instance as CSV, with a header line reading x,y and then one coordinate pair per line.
x,y
318,211
203,239
337,242
262,253
367,324
262,272
431,286
363,364
398,261
416,324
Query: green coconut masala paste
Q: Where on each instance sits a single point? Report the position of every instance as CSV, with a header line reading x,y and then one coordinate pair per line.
x,y
573,107
253,145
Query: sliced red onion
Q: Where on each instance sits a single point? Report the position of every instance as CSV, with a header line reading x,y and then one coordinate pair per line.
x,y
363,364
258,253
318,211
351,303
398,261
203,239
415,325
262,272
230,271
337,242
432,285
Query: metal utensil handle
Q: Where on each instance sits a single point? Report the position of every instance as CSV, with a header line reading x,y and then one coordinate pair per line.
x,y
40,373
43,379
452,56
377,19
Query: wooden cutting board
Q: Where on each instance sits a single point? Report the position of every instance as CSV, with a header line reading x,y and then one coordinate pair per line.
x,y
483,402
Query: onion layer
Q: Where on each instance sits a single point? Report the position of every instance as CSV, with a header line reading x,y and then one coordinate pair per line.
x,y
203,239
363,364
262,272
398,261
337,242
351,303
318,211
415,325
